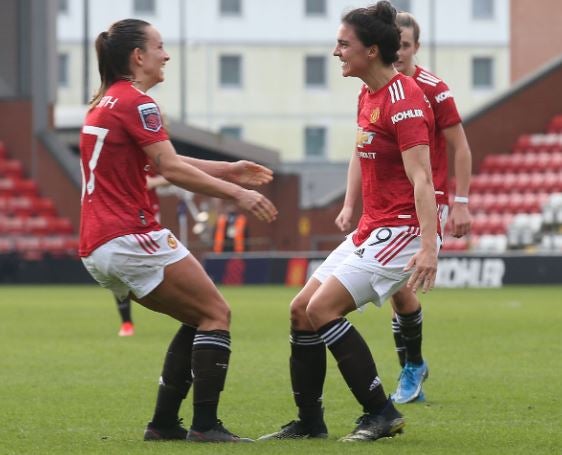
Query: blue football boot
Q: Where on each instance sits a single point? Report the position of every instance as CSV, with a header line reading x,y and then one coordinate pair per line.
x,y
410,383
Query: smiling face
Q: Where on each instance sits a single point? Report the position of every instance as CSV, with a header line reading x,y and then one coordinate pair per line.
x,y
351,52
151,60
407,51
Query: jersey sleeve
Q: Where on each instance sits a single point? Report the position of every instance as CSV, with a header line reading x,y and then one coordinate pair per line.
x,y
144,121
444,107
409,117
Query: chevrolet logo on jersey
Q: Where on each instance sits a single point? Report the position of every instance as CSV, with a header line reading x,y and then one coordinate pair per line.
x,y
364,138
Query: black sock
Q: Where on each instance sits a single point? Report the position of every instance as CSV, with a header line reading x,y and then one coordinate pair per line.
x,y
308,371
355,363
411,328
399,342
124,308
176,378
211,353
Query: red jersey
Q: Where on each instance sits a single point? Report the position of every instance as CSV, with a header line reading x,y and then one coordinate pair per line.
x,y
115,200
153,196
446,115
391,120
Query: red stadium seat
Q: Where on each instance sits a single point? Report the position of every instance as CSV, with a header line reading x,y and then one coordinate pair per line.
x,y
43,206
495,182
556,162
555,125
454,244
12,187
478,184
523,144
493,223
521,162
482,203
543,162
20,205
479,224
29,247
60,245
515,204
37,225
11,168
475,202
6,186
494,163
12,225
501,204
57,226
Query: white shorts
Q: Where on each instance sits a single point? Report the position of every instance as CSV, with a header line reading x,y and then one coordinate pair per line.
x,y
134,262
374,270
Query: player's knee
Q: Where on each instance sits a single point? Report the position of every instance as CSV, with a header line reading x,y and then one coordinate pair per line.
x,y
222,312
298,311
405,301
315,313
216,314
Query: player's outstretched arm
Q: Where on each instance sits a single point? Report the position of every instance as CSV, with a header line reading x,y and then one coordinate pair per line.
x,y
242,172
180,173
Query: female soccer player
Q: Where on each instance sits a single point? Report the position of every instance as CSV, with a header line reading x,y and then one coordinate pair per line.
x,y
449,133
126,250
396,240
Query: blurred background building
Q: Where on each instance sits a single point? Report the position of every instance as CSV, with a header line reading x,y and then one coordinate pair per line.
x,y
263,71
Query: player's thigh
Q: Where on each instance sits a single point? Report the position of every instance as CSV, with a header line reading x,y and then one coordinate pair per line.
x,y
331,301
189,295
299,318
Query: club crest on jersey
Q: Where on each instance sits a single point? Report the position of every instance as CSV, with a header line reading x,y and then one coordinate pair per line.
x,y
172,242
364,138
150,117
375,115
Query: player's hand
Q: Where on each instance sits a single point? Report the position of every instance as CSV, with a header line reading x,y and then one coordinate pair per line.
x,y
460,220
257,204
424,263
343,220
248,173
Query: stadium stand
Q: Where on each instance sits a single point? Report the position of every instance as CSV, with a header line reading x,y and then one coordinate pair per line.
x,y
29,223
516,198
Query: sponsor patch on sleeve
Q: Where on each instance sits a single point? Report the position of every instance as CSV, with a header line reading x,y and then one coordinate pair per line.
x,y
443,96
150,117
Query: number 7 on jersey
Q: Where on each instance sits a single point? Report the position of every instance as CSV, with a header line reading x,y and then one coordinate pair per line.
x,y
100,134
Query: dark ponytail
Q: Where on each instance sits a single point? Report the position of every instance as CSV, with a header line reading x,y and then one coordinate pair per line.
x,y
114,48
376,25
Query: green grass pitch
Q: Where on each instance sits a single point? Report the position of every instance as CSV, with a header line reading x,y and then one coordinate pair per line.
x,y
69,384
